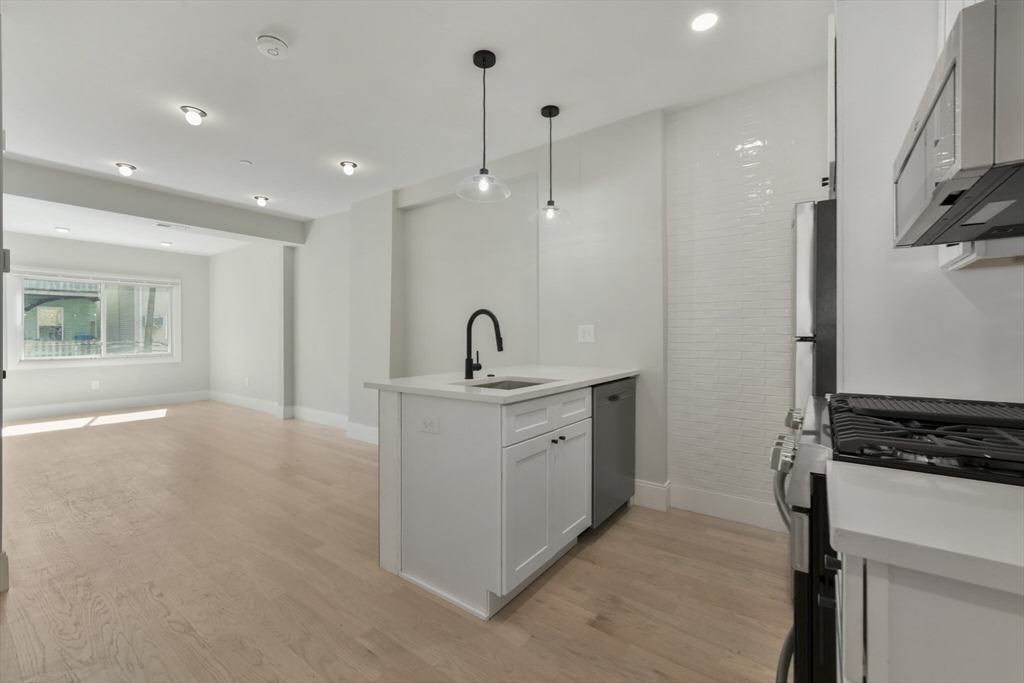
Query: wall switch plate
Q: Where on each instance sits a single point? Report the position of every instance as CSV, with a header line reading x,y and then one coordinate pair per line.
x,y
430,425
95,384
246,381
586,334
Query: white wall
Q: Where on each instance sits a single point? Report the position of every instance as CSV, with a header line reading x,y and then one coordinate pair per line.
x,y
460,256
607,267
246,321
735,167
66,389
322,321
908,327
374,225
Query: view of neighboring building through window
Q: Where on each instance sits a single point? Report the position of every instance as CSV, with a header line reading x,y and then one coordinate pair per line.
x,y
69,318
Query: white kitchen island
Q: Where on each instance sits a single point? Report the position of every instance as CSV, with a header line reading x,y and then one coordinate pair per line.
x,y
482,489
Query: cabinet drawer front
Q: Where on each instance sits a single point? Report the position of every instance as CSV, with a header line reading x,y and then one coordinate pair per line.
x,y
522,421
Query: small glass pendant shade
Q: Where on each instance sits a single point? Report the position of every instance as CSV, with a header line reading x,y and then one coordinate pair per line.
x,y
551,216
483,187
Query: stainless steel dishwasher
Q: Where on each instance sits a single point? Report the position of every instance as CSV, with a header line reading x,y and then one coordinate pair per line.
x,y
614,447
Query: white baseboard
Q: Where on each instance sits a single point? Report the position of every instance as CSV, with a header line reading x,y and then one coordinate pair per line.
x,y
744,510
55,409
362,433
651,495
321,417
247,402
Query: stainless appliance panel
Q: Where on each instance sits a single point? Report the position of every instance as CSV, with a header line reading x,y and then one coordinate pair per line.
x,y
1009,84
614,456
803,276
966,139
803,371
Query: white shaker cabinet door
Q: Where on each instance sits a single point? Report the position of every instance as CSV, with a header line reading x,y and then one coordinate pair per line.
x,y
527,541
571,487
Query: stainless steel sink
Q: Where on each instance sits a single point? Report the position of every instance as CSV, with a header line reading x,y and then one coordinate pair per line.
x,y
507,384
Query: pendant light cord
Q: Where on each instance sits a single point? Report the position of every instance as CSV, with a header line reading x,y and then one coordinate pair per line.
x,y
485,119
551,163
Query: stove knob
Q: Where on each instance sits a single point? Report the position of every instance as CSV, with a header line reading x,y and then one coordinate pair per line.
x,y
782,457
784,439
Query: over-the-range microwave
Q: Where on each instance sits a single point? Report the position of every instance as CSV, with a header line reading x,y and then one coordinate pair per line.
x,y
959,175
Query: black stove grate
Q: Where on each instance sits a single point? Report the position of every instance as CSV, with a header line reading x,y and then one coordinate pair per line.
x,y
987,413
978,451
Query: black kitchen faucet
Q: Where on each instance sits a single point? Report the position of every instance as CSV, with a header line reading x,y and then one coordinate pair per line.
x,y
472,365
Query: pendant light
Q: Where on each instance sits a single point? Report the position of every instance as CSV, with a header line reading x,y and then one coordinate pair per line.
x,y
551,215
482,186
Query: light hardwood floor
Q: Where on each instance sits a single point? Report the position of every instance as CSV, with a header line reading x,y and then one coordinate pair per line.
x,y
217,543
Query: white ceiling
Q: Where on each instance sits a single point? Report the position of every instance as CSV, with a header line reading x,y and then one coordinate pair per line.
x,y
36,217
389,85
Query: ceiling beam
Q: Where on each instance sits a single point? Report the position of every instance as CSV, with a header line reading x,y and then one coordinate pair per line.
x,y
77,189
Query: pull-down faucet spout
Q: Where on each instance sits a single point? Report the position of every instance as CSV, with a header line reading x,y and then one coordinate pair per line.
x,y
472,365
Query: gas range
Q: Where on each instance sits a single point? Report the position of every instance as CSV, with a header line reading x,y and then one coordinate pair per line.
x,y
972,439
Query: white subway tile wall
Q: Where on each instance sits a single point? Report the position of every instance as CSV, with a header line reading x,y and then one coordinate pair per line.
x,y
734,169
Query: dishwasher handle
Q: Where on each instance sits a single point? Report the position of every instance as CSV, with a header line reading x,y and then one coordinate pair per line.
x,y
616,397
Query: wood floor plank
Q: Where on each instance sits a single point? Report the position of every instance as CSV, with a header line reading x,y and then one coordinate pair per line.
x,y
217,543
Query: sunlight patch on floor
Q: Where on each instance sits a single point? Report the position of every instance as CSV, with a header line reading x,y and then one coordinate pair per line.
x,y
75,423
129,417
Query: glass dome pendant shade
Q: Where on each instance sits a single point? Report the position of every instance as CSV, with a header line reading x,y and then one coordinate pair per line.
x,y
550,215
482,186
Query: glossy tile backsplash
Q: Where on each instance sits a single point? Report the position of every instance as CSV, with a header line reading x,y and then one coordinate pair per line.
x,y
734,169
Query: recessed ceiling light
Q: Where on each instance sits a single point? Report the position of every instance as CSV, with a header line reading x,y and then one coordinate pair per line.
x,y
63,229
194,115
165,244
349,167
262,201
125,169
704,21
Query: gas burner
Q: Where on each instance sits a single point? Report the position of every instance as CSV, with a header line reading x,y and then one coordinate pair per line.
x,y
891,439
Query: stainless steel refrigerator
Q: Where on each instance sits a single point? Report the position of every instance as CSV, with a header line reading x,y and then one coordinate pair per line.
x,y
814,306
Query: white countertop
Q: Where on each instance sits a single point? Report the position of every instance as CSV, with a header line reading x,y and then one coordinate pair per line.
x,y
961,529
566,378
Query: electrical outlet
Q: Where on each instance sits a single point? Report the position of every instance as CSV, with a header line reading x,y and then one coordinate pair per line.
x,y
95,384
430,425
586,334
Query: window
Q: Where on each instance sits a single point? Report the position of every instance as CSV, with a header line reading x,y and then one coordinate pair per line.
x,y
80,317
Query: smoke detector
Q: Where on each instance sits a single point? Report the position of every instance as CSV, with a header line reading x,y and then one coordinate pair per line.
x,y
272,47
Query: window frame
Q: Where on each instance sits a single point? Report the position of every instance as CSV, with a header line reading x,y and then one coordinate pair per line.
x,y
15,319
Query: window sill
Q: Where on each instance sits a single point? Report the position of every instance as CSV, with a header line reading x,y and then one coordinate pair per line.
x,y
72,363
